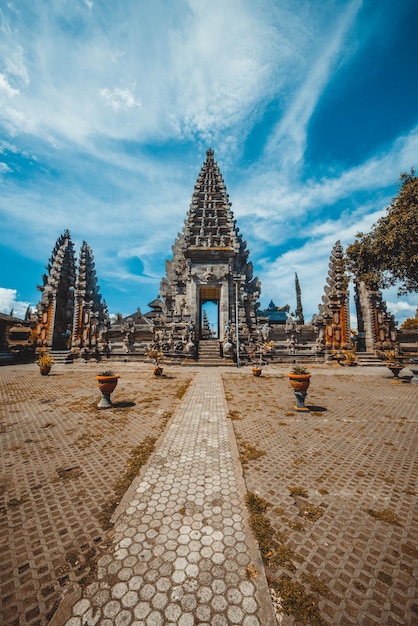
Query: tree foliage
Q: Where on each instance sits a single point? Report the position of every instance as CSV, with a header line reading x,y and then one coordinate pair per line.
x,y
411,323
388,254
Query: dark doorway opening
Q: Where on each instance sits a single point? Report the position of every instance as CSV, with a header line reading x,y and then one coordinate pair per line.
x,y
209,312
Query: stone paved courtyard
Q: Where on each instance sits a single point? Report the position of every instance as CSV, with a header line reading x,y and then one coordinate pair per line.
x,y
340,482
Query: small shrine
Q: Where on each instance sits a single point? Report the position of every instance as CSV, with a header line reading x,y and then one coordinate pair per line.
x,y
273,314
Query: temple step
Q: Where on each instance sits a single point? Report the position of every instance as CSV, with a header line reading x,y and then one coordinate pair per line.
x,y
369,358
209,353
62,357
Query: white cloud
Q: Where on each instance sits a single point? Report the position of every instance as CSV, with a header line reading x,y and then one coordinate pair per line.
x,y
8,303
200,67
120,98
4,168
6,90
402,307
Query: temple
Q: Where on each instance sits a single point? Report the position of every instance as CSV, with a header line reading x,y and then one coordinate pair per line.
x,y
207,308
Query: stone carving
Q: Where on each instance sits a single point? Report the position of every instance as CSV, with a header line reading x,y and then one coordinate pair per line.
x,y
265,331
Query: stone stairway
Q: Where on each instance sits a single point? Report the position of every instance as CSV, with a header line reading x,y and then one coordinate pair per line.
x,y
369,358
209,353
62,357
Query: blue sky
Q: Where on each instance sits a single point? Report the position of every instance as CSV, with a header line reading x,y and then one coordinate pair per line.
x,y
107,109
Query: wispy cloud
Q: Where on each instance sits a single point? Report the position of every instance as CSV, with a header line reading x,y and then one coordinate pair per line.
x,y
6,90
120,98
288,141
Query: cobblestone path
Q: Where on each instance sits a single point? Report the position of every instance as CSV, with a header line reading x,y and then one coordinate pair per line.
x,y
182,546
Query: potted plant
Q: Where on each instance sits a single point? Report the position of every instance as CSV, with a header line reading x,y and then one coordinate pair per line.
x,y
257,354
45,362
393,361
349,358
300,379
158,357
107,382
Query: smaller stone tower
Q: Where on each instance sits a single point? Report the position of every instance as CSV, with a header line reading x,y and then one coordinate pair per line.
x,y
56,309
91,318
376,327
334,314
71,314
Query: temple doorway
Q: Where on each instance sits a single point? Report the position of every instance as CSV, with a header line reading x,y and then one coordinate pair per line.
x,y
209,313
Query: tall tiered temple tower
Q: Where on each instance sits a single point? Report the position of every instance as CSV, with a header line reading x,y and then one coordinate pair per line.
x,y
334,312
209,264
56,308
71,314
90,313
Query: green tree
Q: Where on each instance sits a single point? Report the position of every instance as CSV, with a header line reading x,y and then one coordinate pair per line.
x,y
388,254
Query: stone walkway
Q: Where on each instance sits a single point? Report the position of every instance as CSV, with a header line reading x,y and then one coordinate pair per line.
x,y
183,551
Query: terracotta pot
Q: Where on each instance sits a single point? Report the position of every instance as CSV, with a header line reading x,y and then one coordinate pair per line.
x,y
158,371
45,371
256,371
299,382
107,384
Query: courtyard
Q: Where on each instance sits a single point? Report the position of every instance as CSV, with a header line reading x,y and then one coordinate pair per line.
x,y
337,486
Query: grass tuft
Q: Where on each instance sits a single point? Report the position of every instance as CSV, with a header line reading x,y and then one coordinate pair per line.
x,y
385,516
297,602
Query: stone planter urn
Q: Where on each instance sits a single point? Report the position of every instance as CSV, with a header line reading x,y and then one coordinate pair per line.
x,y
395,368
300,380
107,382
414,369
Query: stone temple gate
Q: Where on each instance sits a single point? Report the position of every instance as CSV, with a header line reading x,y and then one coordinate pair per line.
x,y
209,264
